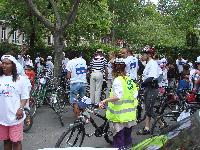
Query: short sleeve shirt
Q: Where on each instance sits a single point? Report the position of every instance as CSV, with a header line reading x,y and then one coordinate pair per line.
x,y
131,67
151,70
11,94
180,64
78,69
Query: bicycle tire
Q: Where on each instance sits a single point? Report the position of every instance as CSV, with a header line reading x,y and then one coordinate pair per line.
x,y
60,117
32,106
28,121
107,134
70,132
155,129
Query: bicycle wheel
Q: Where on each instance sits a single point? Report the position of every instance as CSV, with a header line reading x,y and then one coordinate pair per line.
x,y
108,134
165,118
32,106
73,137
28,121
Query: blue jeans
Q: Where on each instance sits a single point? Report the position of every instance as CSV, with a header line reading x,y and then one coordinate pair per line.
x,y
75,89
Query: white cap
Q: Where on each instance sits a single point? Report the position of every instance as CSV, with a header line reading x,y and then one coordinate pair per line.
x,y
198,59
19,67
10,57
49,57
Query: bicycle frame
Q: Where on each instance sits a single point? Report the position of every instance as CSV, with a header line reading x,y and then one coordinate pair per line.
x,y
82,120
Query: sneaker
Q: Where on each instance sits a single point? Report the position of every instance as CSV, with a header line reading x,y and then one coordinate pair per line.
x,y
143,132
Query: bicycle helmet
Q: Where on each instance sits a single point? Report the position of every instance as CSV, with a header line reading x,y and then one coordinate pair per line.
x,y
49,58
149,50
198,60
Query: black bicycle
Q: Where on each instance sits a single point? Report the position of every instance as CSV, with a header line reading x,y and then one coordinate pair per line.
x,y
76,132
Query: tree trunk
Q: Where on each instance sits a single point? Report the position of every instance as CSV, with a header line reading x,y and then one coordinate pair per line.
x,y
32,34
58,49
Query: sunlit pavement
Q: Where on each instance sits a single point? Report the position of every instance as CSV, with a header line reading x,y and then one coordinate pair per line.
x,y
47,129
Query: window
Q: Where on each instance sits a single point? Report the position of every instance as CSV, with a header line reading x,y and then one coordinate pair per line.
x,y
23,38
3,34
15,38
50,40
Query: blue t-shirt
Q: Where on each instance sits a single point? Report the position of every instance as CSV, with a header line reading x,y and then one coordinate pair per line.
x,y
183,85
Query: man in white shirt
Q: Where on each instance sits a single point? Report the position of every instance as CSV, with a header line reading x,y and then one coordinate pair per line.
x,y
49,66
76,72
180,62
21,61
131,63
64,63
150,83
14,93
28,61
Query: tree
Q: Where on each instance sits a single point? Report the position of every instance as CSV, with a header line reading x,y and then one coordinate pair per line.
x,y
18,17
57,24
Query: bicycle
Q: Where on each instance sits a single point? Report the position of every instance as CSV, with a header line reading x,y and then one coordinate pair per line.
x,y
77,132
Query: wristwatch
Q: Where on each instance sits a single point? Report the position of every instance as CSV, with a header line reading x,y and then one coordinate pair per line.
x,y
21,108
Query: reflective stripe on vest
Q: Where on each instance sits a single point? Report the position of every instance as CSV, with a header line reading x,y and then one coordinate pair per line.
x,y
122,102
122,111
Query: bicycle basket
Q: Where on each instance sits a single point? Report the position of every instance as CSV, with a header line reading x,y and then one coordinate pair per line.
x,y
84,102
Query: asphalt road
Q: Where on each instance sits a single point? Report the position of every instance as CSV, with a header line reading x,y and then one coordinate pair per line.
x,y
47,129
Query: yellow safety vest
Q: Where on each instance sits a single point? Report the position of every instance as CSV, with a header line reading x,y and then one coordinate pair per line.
x,y
123,110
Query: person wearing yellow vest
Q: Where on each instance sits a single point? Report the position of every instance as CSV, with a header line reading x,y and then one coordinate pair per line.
x,y
122,105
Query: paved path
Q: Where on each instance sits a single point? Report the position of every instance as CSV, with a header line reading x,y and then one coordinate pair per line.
x,y
47,129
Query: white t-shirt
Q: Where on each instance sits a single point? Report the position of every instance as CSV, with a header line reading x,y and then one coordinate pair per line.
x,y
64,63
10,95
164,61
21,60
151,70
20,69
131,67
78,69
49,65
180,64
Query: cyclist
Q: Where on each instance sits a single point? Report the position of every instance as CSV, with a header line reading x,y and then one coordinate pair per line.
x,y
28,61
131,63
14,95
76,72
112,56
98,66
31,74
49,66
180,62
195,75
122,105
150,83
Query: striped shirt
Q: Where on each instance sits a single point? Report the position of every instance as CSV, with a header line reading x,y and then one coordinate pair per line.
x,y
98,63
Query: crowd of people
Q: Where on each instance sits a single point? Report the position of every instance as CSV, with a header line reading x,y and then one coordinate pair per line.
x,y
121,70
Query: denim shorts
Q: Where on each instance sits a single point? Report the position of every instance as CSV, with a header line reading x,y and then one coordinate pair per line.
x,y
150,96
78,88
